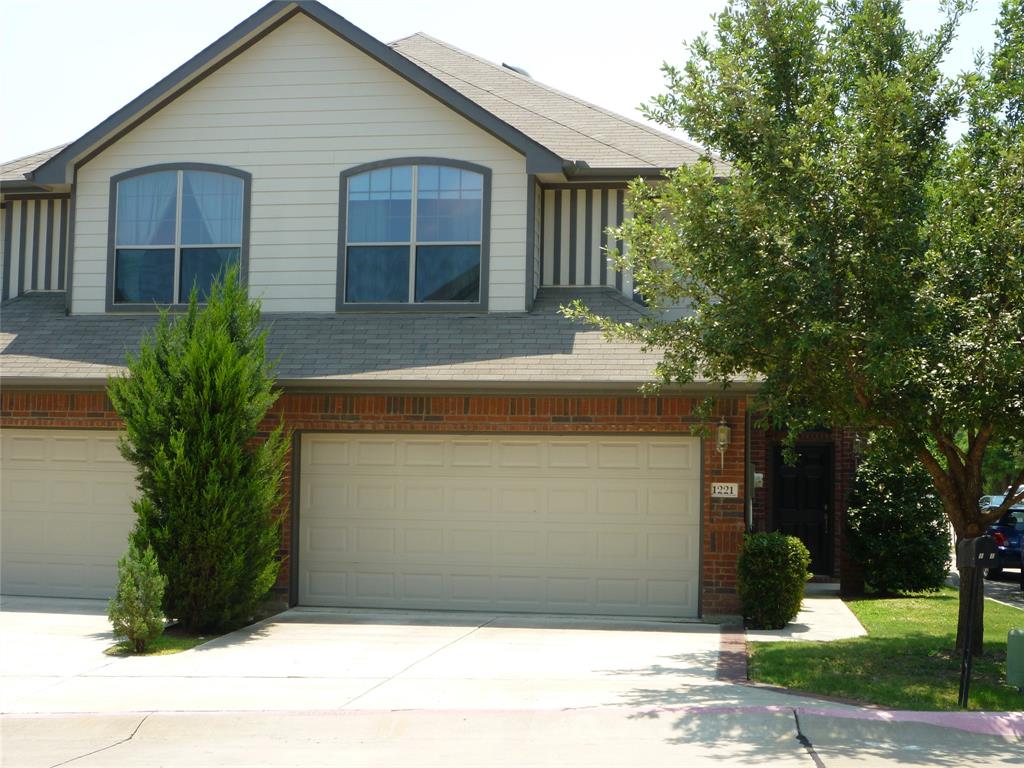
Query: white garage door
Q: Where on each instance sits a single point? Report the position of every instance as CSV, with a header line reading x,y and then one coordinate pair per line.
x,y
65,512
602,525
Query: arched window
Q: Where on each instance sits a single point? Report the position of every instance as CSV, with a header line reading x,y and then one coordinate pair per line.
x,y
175,228
414,232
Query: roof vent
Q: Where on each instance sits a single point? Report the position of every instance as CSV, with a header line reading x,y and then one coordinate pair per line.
x,y
517,70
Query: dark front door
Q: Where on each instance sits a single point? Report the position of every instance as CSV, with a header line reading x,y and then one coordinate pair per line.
x,y
802,501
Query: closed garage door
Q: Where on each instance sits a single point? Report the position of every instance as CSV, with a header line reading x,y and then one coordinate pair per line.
x,y
65,512
603,525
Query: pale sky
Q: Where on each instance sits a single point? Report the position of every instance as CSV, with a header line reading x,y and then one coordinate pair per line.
x,y
65,65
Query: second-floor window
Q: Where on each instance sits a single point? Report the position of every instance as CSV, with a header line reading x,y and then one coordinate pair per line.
x,y
414,235
175,229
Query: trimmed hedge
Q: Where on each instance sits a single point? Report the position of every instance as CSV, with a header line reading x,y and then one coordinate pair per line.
x,y
772,574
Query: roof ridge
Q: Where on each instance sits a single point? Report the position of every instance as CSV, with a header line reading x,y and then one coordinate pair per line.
x,y
636,123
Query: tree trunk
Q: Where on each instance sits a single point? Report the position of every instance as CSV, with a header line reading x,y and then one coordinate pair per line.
x,y
971,578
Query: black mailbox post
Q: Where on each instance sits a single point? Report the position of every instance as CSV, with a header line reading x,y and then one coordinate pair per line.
x,y
972,554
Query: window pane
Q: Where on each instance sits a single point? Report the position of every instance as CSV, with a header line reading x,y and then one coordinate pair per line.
x,y
448,273
449,205
199,266
377,273
380,206
145,276
146,209
211,208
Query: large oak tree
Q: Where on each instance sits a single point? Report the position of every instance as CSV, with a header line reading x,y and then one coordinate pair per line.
x,y
869,271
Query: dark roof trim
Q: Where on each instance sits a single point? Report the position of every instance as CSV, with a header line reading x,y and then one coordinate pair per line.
x,y
581,171
55,170
13,186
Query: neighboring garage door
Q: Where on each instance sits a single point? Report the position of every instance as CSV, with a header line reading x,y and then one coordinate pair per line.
x,y
602,525
65,512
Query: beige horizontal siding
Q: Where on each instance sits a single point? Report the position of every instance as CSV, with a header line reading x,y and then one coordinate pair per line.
x,y
295,110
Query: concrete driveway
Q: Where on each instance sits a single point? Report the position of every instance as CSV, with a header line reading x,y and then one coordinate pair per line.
x,y
312,659
317,687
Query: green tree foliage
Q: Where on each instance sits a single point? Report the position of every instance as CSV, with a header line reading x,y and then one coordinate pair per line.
x,y
135,610
772,572
896,528
192,402
869,273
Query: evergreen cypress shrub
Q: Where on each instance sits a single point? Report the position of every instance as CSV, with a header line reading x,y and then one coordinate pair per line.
x,y
135,610
896,527
772,572
192,402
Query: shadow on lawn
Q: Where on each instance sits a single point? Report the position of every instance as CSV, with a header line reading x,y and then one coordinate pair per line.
x,y
734,723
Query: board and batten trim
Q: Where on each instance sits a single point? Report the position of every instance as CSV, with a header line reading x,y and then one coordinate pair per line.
x,y
531,227
243,256
8,226
575,224
30,245
485,239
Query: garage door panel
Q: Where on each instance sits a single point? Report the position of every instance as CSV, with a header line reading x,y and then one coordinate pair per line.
x,y
424,541
71,449
674,547
325,453
375,453
471,453
552,524
424,453
19,448
65,512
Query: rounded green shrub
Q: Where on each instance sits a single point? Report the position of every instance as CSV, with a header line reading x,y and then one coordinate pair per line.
x,y
772,574
134,611
896,528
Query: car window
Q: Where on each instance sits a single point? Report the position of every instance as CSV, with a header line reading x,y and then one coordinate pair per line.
x,y
1014,517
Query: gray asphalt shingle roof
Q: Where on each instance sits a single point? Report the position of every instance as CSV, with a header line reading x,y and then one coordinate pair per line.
x,y
15,170
570,127
566,126
39,343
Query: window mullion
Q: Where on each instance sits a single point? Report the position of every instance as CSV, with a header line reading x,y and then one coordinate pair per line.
x,y
175,294
412,235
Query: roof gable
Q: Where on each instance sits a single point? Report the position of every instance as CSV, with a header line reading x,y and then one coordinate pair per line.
x,y
57,169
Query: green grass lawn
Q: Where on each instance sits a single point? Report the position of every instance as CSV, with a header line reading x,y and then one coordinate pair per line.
x,y
171,641
905,662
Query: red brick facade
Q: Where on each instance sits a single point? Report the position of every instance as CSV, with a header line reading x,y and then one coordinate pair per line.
x,y
843,462
723,519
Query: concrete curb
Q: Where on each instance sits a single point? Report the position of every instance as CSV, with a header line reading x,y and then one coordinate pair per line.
x,y
1001,724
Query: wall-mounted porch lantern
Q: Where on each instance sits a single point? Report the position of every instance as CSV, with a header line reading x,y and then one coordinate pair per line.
x,y
723,436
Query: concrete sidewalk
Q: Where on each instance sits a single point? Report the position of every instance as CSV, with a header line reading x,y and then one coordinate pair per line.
x,y
823,616
438,738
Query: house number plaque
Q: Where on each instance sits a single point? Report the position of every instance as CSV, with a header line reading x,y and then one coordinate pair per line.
x,y
725,490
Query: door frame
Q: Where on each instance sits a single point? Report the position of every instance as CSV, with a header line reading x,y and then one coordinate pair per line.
x,y
773,515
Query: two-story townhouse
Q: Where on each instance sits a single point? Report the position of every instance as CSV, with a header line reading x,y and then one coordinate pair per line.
x,y
411,217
